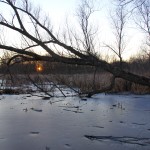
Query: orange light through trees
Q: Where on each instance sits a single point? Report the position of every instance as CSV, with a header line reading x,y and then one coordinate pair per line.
x,y
39,67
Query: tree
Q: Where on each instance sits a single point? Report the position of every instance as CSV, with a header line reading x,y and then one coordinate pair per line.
x,y
119,22
143,19
36,31
84,12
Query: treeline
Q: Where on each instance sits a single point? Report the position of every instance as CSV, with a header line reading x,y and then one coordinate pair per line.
x,y
135,65
47,68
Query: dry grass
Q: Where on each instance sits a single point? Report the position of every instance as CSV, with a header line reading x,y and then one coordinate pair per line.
x,y
139,89
85,82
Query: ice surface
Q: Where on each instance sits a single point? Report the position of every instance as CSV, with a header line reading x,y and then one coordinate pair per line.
x,y
104,122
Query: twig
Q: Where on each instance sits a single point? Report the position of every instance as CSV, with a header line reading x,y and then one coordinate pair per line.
x,y
39,87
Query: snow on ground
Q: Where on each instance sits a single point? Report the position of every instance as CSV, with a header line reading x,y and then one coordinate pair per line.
x,y
104,122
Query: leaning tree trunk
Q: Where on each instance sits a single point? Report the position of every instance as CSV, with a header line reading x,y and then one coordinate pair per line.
x,y
119,73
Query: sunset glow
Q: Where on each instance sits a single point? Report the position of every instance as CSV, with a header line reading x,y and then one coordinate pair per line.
x,y
39,67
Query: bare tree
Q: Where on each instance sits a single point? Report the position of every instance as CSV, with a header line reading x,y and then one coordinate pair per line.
x,y
37,31
119,20
140,10
143,18
84,13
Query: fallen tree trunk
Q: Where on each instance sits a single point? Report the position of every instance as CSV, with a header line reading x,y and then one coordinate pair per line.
x,y
119,73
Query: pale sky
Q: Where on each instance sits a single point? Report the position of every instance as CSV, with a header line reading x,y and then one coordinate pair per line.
x,y
59,10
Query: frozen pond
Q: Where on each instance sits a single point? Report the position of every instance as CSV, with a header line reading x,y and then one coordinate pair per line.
x,y
104,122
